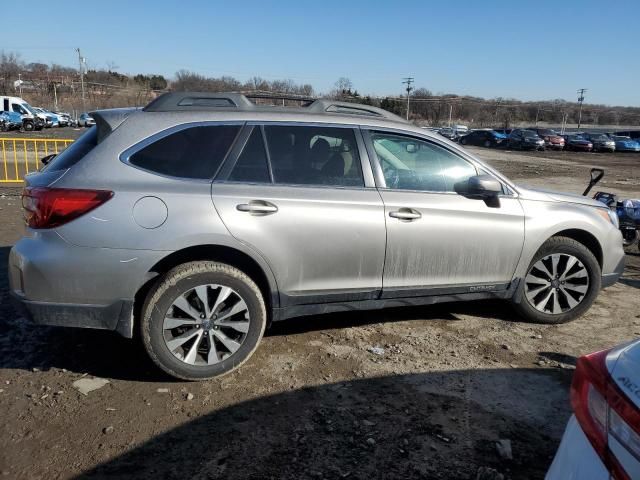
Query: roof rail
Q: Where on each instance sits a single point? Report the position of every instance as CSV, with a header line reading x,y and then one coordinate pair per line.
x,y
347,108
181,101
190,101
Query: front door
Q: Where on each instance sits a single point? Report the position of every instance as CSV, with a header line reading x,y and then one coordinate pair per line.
x,y
437,240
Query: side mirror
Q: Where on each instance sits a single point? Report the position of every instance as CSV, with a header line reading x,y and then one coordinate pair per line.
x,y
481,187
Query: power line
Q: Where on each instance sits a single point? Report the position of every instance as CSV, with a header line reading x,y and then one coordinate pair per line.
x,y
408,81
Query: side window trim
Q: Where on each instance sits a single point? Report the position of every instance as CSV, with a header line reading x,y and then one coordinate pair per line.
x,y
126,154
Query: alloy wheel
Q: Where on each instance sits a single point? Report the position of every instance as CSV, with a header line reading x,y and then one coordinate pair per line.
x,y
206,324
556,283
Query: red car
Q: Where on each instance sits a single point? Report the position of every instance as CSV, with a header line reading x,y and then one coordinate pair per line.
x,y
551,138
578,143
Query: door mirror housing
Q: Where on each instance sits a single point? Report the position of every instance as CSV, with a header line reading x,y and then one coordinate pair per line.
x,y
481,187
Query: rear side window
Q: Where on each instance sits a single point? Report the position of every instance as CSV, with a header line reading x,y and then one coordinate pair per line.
x,y
194,152
75,152
306,155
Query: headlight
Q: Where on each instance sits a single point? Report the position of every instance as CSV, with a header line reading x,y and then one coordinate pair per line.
x,y
609,215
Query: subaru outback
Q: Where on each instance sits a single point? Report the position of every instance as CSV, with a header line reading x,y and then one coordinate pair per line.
x,y
201,218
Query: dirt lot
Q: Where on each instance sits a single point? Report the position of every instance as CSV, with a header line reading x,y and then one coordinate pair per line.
x,y
314,401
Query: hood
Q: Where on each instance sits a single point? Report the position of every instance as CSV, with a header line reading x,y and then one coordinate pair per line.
x,y
551,196
623,364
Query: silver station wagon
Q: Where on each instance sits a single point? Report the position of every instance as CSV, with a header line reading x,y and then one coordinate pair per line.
x,y
201,218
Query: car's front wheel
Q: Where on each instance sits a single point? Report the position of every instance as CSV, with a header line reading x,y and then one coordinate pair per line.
x,y
202,319
561,283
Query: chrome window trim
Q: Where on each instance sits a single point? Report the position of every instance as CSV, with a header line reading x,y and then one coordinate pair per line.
x,y
125,155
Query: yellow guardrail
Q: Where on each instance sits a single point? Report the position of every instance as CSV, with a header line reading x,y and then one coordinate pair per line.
x,y
20,156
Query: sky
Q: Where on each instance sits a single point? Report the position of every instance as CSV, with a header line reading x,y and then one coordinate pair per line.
x,y
529,50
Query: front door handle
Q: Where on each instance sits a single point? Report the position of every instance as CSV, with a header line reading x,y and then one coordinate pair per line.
x,y
408,214
257,207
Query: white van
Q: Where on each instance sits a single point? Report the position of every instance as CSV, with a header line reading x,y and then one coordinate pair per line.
x,y
30,118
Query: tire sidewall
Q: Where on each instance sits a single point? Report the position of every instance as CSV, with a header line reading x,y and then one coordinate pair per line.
x,y
177,284
570,247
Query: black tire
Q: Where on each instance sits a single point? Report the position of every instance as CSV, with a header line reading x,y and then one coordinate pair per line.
x,y
28,126
487,143
463,141
583,254
176,282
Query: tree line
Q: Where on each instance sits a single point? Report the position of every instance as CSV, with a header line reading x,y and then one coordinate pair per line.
x,y
57,86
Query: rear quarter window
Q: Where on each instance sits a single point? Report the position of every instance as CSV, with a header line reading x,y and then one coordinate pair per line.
x,y
194,152
75,152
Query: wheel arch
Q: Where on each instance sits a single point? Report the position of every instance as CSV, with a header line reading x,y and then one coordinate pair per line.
x,y
585,238
256,269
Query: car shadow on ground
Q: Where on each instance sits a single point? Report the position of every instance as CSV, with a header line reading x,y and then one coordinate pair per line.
x,y
428,425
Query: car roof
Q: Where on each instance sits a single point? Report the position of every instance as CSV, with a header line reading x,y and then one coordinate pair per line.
x,y
225,102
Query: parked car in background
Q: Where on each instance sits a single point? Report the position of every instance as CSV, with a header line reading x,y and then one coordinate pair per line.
x,y
30,118
10,121
522,139
484,138
577,143
602,438
448,132
49,119
86,120
626,144
634,134
64,119
551,138
197,256
600,142
504,131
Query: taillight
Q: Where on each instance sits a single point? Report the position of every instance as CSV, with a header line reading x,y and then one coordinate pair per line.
x,y
51,207
603,410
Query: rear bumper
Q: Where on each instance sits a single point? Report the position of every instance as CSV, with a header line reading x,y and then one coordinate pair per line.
x,y
64,285
115,316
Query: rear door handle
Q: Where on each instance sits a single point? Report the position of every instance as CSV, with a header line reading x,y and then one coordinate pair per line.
x,y
257,207
408,214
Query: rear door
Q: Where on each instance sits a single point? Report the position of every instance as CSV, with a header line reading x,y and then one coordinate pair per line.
x,y
437,240
308,206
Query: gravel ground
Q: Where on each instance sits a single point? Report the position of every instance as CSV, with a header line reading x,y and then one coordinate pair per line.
x,y
317,400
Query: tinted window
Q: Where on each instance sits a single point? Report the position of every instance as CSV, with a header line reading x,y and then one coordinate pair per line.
x,y
314,156
411,164
72,154
194,152
252,163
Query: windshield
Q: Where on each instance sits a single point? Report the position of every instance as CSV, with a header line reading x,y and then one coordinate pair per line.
x,y
546,131
599,137
529,133
29,108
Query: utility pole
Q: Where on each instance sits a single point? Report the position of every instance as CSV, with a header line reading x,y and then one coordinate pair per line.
x,y
580,100
82,63
450,111
408,81
20,83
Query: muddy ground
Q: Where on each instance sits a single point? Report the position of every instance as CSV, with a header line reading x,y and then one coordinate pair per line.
x,y
314,401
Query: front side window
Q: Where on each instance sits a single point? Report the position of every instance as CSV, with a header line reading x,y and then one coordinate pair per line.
x,y
194,152
18,108
308,155
411,164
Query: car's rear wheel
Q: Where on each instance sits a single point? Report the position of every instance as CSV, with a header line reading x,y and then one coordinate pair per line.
x,y
202,319
487,143
561,283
